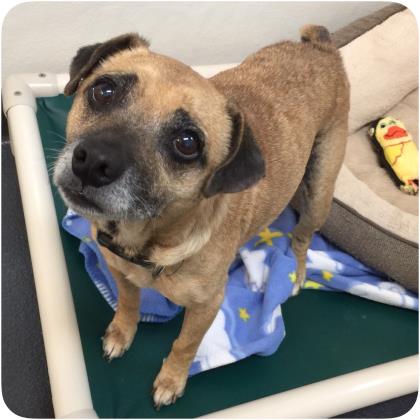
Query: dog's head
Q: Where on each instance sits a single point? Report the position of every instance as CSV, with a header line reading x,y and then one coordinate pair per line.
x,y
145,132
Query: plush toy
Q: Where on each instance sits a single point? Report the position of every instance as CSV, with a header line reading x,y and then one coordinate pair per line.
x,y
397,151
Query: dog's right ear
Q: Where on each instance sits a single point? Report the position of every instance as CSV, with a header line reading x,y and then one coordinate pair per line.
x,y
89,57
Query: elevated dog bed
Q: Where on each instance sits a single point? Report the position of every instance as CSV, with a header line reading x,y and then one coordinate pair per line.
x,y
328,334
340,333
368,208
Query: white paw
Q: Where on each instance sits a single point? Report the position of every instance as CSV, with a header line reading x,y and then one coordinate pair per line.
x,y
167,389
116,341
296,289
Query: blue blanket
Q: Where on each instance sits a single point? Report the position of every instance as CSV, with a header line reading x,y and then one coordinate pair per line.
x,y
260,279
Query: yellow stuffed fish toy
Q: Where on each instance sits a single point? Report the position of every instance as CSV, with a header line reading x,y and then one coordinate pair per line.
x,y
397,151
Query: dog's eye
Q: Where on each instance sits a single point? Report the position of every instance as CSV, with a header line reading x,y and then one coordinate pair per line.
x,y
103,91
187,145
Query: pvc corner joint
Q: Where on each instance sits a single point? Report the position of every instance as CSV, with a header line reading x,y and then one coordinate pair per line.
x,y
22,89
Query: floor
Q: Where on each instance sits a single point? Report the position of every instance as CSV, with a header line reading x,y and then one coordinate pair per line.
x,y
25,384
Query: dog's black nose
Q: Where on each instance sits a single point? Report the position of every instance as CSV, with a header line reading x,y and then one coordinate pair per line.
x,y
97,162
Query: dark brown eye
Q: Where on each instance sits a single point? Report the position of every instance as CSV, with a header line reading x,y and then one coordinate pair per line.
x,y
187,145
103,91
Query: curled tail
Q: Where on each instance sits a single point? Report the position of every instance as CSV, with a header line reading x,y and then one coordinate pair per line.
x,y
316,35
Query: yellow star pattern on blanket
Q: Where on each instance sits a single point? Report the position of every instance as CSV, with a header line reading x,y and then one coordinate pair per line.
x,y
292,276
267,236
326,275
243,314
310,284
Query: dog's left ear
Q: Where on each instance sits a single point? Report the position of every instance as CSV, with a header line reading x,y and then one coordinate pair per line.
x,y
244,165
89,57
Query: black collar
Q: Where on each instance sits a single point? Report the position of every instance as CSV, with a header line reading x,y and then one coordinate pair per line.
x,y
106,240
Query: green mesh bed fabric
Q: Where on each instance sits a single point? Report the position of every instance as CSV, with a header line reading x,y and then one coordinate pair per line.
x,y
327,334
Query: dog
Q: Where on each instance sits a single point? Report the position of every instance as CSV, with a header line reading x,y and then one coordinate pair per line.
x,y
176,171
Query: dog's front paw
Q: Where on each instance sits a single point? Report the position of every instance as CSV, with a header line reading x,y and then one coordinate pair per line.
x,y
168,386
299,281
116,341
296,289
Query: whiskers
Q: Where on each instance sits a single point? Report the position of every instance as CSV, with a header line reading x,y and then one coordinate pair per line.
x,y
58,135
51,157
148,212
52,154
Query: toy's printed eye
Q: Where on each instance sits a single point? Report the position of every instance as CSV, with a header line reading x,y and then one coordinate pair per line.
x,y
393,122
187,145
103,91
383,125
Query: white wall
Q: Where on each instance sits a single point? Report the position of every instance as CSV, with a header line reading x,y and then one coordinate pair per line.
x,y
44,36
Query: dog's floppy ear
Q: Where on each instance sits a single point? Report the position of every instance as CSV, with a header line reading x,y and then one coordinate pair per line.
x,y
244,165
89,57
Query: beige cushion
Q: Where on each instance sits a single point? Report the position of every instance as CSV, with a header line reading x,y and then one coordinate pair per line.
x,y
382,66
370,218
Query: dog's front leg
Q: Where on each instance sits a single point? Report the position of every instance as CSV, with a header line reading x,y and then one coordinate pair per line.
x,y
121,331
172,378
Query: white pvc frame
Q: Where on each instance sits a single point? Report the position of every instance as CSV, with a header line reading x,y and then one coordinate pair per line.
x,y
66,366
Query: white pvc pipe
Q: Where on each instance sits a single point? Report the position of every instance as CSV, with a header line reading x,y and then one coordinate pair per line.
x,y
66,365
334,396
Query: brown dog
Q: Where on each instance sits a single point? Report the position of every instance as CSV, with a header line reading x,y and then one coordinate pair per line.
x,y
176,171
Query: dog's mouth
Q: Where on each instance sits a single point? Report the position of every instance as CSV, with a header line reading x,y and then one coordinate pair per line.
x,y
79,200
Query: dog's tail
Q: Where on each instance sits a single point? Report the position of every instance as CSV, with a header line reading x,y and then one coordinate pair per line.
x,y
316,35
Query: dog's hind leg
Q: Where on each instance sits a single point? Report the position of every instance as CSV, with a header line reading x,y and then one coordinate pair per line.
x,y
314,196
